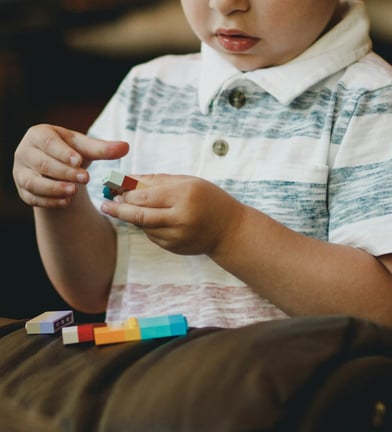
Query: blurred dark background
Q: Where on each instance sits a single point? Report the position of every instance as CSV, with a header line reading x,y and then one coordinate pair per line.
x,y
60,61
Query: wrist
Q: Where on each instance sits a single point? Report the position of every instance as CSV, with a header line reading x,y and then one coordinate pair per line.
x,y
229,237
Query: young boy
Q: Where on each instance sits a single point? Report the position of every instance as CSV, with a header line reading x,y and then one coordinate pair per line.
x,y
268,165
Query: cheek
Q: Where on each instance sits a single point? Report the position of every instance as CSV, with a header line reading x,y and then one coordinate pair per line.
x,y
297,33
196,13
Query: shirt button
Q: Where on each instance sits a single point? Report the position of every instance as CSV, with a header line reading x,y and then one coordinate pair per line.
x,y
237,99
220,147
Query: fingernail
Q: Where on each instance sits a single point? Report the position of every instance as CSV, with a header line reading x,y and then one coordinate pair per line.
x,y
118,198
81,178
69,189
74,160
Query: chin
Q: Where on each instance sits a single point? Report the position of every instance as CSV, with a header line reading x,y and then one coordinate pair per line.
x,y
247,62
247,65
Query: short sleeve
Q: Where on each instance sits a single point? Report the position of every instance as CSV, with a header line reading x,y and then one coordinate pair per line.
x,y
360,184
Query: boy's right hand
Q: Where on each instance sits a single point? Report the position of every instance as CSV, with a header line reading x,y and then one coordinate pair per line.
x,y
50,161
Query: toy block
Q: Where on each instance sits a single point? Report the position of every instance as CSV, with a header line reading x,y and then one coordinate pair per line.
x,y
70,335
132,329
86,331
154,327
129,183
114,180
80,333
107,193
127,332
109,335
163,326
116,183
49,322
178,325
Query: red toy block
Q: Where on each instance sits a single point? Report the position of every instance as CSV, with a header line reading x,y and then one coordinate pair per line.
x,y
80,333
129,183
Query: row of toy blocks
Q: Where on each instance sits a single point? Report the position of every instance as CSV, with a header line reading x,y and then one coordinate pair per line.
x,y
143,328
133,329
49,322
115,183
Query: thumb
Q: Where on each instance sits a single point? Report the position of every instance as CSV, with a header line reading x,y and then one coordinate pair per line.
x,y
91,148
110,149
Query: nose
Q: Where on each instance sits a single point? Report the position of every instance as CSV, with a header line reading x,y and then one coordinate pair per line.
x,y
227,7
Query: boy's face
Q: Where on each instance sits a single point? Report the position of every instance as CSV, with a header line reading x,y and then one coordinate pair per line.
x,y
253,34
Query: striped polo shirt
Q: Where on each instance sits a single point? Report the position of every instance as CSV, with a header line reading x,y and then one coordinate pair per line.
x,y
309,143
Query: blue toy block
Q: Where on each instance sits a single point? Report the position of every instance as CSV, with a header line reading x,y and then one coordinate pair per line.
x,y
49,322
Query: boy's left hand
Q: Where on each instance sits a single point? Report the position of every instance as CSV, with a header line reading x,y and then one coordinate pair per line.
x,y
183,214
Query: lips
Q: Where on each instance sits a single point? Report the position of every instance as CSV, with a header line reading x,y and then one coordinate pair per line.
x,y
235,41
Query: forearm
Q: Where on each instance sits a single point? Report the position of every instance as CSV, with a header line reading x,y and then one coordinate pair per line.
x,y
78,250
305,276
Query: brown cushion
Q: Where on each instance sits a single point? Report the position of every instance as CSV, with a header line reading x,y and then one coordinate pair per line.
x,y
262,377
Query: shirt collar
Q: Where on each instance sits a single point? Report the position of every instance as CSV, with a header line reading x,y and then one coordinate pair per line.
x,y
346,43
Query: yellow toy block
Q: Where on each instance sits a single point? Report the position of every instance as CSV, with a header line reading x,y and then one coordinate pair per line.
x,y
132,329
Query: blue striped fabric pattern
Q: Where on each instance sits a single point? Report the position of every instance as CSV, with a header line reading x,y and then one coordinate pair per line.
x,y
320,161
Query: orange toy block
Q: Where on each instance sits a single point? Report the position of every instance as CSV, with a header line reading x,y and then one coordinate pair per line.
x,y
127,332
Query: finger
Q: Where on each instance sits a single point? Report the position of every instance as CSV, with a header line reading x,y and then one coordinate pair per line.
x,y
36,190
50,203
145,217
92,148
44,201
47,187
32,163
44,152
46,165
149,198
159,191
64,154
52,140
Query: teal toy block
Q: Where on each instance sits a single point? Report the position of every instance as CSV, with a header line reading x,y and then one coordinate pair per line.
x,y
107,193
154,327
178,325
163,326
